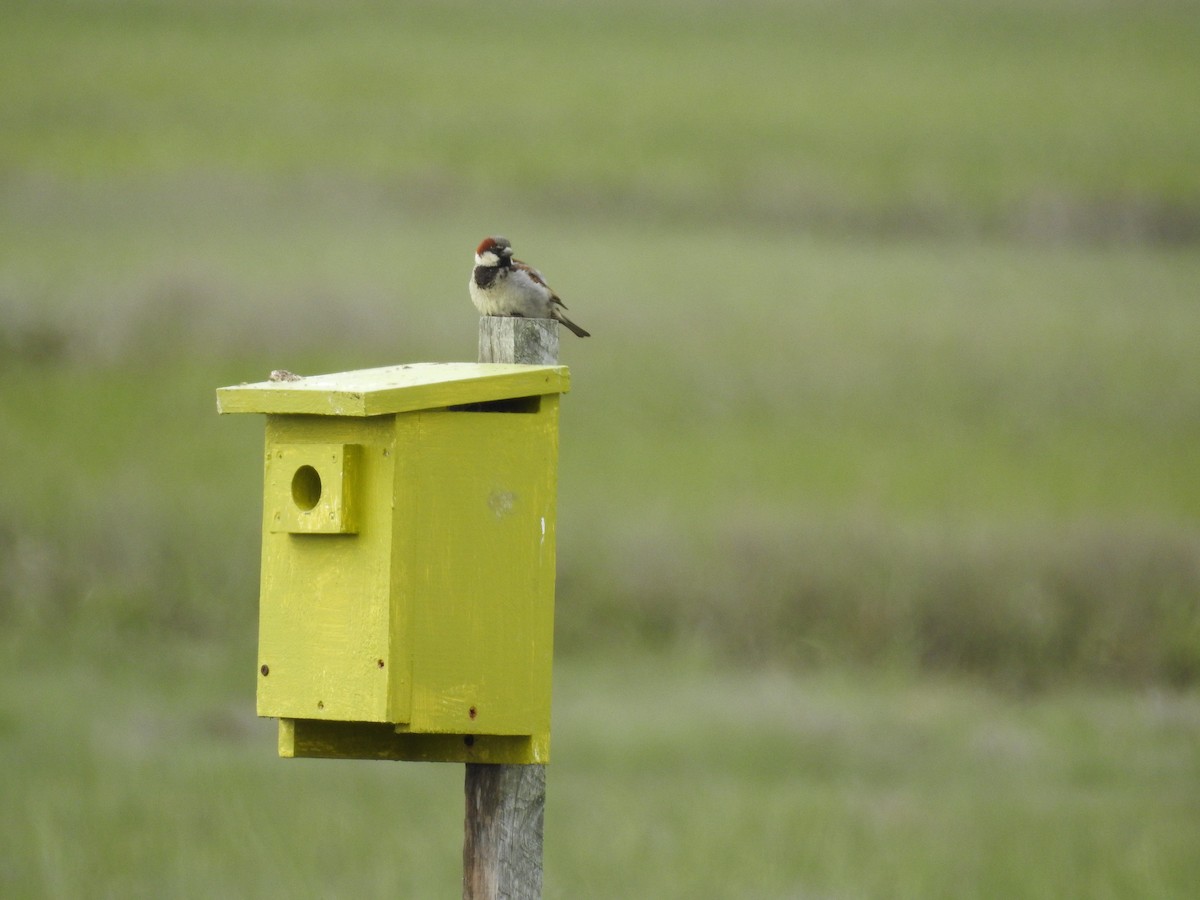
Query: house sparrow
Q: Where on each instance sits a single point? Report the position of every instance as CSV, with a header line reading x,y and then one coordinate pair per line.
x,y
503,286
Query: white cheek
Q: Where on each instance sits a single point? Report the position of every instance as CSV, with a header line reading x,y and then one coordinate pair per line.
x,y
486,259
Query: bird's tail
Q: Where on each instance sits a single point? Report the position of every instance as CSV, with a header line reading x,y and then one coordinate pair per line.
x,y
579,332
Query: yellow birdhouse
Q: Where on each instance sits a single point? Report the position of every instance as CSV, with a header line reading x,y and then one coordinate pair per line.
x,y
407,600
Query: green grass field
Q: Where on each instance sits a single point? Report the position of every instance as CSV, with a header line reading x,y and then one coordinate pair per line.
x,y
670,780
879,569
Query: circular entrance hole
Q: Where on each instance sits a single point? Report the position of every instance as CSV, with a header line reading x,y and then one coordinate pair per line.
x,y
306,487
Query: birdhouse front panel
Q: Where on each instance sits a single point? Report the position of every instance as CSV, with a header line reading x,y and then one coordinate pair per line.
x,y
326,617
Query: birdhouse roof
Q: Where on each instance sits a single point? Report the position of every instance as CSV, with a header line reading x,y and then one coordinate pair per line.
x,y
394,389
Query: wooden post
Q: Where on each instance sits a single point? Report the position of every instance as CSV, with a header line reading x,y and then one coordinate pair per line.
x,y
502,847
511,339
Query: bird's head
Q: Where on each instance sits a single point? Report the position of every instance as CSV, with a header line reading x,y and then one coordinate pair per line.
x,y
493,251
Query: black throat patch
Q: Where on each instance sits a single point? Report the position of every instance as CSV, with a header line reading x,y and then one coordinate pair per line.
x,y
485,275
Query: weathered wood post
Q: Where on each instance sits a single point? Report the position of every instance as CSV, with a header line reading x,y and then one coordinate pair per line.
x,y
505,804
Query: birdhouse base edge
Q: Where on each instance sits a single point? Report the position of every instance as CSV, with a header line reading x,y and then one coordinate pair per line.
x,y
322,739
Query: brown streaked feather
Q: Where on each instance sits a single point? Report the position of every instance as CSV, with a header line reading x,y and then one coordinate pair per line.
x,y
531,272
536,276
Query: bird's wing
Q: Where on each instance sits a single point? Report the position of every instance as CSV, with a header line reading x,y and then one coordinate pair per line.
x,y
530,271
537,278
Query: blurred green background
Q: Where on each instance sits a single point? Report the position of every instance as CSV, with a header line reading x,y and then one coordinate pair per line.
x,y
879,569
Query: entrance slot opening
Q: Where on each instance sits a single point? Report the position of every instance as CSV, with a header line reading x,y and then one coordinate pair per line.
x,y
306,487
512,405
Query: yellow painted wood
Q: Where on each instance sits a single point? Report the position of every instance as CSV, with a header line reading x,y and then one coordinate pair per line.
x,y
325,608
303,738
475,511
394,389
312,488
408,564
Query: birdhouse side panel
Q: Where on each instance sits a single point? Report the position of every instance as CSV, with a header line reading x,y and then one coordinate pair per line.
x,y
324,611
480,586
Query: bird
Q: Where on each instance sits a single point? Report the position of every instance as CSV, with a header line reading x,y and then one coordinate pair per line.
x,y
503,286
